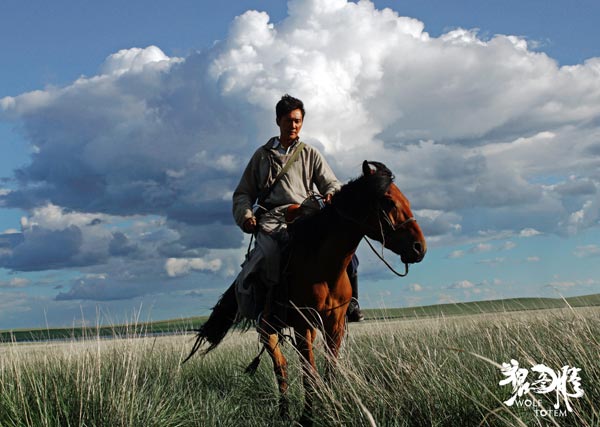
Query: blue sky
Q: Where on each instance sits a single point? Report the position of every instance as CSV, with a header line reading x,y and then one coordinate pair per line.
x,y
125,127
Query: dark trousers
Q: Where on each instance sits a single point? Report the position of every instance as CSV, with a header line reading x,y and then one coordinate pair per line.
x,y
352,271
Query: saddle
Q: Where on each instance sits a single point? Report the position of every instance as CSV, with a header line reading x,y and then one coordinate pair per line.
x,y
270,302
257,301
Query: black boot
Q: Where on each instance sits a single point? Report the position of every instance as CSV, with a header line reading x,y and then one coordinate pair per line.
x,y
354,313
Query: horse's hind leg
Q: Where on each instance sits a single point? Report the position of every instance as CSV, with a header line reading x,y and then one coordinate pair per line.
x,y
271,343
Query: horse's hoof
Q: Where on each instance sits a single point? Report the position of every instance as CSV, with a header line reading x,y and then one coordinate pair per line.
x,y
305,421
284,411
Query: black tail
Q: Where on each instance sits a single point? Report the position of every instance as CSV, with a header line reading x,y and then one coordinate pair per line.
x,y
218,324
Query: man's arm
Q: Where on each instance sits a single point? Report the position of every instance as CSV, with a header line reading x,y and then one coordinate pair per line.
x,y
323,177
245,195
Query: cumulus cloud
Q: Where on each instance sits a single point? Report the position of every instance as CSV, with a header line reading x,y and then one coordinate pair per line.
x,y
53,238
134,60
587,216
179,266
415,287
122,278
472,127
529,232
46,250
462,284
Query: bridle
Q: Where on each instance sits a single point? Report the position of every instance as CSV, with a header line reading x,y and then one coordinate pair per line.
x,y
388,221
390,227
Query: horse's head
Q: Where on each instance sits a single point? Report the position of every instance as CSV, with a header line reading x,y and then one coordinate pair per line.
x,y
390,220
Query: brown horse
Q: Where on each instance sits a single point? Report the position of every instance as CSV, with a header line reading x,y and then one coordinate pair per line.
x,y
321,247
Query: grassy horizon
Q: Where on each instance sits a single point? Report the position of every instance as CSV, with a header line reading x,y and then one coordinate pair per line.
x,y
171,326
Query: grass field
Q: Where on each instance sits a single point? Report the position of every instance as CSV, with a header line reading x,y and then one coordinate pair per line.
x,y
437,371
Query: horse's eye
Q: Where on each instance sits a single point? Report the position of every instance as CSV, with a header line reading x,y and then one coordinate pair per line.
x,y
388,204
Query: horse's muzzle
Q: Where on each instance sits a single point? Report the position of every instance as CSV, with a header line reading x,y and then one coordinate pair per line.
x,y
415,254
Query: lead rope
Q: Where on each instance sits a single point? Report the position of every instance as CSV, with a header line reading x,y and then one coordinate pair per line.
x,y
385,262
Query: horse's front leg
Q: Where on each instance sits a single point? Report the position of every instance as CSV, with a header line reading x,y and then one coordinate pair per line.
x,y
271,343
334,331
304,343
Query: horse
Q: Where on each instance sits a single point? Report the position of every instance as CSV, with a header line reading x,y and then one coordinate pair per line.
x,y
318,288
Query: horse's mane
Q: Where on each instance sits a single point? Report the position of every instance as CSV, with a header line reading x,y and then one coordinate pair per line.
x,y
354,198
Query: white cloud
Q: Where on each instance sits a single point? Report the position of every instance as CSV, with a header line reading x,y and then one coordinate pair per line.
x,y
181,266
415,287
481,247
15,282
509,245
54,217
134,60
583,286
462,284
587,251
446,299
587,216
14,302
456,254
529,232
591,282
562,284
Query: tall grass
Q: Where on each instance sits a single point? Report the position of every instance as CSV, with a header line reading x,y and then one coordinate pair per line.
x,y
430,372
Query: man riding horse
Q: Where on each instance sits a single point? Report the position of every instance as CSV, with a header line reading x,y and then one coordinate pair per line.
x,y
280,174
317,257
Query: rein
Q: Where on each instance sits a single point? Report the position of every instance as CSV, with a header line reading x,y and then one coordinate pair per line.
x,y
387,264
393,227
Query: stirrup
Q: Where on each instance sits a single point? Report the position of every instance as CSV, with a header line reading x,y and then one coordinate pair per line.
x,y
354,313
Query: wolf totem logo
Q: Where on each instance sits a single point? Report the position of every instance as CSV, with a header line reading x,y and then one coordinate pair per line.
x,y
565,382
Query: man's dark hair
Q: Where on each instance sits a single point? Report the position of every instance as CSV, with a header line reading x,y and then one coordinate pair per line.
x,y
287,104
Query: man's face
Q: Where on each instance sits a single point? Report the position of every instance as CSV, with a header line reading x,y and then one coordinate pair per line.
x,y
290,125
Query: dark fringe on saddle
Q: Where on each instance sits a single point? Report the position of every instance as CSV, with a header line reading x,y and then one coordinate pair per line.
x,y
221,320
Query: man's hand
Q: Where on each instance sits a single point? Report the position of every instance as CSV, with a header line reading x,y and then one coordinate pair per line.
x,y
327,199
249,225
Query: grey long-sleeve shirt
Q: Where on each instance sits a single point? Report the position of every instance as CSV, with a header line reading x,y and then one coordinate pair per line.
x,y
293,188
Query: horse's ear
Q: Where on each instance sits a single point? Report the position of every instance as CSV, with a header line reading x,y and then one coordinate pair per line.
x,y
367,170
